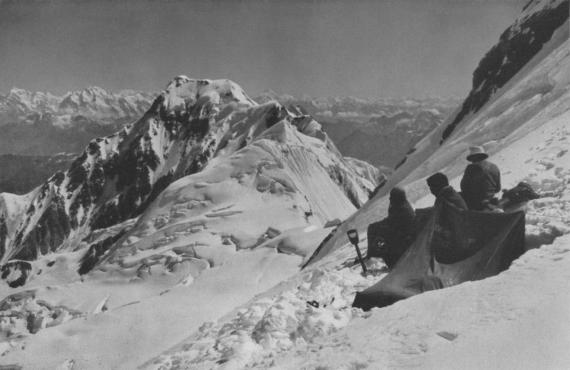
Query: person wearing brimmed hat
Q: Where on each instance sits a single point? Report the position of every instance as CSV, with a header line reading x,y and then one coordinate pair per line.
x,y
439,186
481,181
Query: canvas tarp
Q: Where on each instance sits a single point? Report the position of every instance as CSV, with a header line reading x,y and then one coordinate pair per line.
x,y
453,246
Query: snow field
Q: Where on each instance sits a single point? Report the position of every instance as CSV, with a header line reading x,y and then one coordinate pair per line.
x,y
318,304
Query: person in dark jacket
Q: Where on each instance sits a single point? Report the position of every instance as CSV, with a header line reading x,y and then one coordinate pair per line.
x,y
439,186
481,181
390,237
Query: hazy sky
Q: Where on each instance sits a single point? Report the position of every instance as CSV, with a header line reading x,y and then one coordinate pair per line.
x,y
321,48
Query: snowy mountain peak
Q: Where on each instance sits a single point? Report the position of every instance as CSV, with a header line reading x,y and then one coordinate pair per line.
x,y
183,92
90,93
192,124
16,91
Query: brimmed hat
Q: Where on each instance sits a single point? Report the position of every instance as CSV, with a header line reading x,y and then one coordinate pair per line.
x,y
477,153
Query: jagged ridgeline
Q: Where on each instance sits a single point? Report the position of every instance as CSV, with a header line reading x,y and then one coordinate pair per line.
x,y
118,176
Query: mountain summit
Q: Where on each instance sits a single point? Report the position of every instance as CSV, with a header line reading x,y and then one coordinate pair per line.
x,y
192,126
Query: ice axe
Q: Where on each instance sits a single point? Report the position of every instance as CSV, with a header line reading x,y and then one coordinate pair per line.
x,y
353,238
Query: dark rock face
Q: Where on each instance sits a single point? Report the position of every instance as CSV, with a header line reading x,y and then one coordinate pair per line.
x,y
96,252
76,200
49,232
516,47
22,267
3,235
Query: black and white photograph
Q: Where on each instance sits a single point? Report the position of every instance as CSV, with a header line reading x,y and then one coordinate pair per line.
x,y
284,184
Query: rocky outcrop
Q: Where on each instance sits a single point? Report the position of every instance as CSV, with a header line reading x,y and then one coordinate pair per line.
x,y
516,47
22,314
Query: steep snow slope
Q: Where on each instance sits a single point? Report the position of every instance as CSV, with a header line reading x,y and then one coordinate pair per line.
x,y
513,111
11,205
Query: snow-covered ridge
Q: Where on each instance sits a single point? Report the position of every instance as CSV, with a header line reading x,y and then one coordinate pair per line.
x,y
190,124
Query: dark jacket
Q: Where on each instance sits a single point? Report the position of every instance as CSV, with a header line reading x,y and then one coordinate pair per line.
x,y
400,218
449,195
396,231
480,182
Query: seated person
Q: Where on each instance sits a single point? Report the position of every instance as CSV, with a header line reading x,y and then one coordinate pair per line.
x,y
481,181
439,186
390,237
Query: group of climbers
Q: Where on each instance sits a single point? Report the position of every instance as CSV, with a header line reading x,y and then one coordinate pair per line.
x,y
481,180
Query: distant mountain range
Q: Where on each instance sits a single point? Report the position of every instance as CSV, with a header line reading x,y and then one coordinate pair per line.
x,y
42,124
92,103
